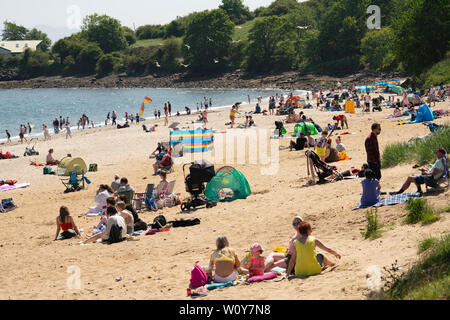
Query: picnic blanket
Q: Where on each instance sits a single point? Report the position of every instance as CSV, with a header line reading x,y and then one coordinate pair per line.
x,y
7,187
395,199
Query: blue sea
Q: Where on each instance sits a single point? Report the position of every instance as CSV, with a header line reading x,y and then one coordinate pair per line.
x,y
38,106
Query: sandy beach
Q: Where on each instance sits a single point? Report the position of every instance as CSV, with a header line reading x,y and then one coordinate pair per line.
x,y
158,266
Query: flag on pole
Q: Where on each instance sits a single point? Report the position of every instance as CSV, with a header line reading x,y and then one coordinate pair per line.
x,y
142,110
147,100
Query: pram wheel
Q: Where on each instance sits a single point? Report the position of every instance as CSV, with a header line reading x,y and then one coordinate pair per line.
x,y
184,206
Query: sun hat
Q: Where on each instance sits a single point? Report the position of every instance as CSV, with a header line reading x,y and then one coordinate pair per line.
x,y
256,247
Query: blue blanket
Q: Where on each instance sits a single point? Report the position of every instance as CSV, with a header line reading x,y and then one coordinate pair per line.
x,y
395,199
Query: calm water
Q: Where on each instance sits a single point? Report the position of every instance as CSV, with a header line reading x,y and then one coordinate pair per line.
x,y
38,106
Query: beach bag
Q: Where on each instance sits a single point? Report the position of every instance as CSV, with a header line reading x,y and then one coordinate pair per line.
x,y
115,234
159,222
7,205
151,204
140,225
198,277
47,170
93,167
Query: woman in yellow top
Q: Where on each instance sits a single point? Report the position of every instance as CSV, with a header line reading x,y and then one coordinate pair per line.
x,y
224,262
306,261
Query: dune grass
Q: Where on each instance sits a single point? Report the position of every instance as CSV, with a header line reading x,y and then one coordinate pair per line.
x,y
428,279
427,243
419,211
373,226
421,151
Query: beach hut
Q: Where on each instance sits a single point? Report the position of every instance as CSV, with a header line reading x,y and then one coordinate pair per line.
x,y
68,165
227,185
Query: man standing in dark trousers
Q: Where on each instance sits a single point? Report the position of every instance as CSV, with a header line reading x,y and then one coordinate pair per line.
x,y
170,108
373,151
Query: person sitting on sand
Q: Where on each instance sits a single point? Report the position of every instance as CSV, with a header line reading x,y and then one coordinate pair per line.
x,y
256,263
138,223
126,215
277,259
124,186
65,222
163,163
321,144
224,262
305,259
257,108
339,145
371,189
50,160
311,142
427,177
331,154
104,192
116,228
397,113
300,144
115,185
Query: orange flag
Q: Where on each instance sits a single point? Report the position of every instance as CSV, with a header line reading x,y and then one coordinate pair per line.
x,y
147,100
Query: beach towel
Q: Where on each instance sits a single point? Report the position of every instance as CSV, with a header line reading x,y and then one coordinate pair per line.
x,y
395,199
8,187
215,286
266,276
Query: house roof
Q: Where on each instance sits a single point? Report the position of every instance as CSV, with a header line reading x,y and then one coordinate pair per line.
x,y
19,46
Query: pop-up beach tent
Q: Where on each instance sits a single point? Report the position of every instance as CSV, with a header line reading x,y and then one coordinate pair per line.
x,y
68,165
415,99
304,127
397,89
424,114
228,184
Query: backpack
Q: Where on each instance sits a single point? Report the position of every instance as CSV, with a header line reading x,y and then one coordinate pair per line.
x,y
7,205
115,234
186,223
159,222
198,277
140,225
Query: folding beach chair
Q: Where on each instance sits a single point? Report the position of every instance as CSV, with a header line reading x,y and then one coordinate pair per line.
x,y
73,182
129,194
141,198
443,179
315,166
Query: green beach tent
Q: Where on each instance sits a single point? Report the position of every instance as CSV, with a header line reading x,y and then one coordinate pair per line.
x,y
305,126
68,165
398,89
227,185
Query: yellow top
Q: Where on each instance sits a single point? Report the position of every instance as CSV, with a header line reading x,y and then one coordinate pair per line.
x,y
226,254
232,113
306,263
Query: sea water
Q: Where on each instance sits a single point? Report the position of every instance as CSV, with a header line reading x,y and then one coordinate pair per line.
x,y
39,106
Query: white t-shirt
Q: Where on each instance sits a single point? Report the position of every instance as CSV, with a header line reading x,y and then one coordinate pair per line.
x,y
114,220
432,91
439,164
367,98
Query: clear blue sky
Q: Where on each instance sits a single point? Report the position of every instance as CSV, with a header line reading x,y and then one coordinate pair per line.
x,y
53,13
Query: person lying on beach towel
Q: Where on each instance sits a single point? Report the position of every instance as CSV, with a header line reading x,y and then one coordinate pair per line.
x,y
224,262
7,155
305,259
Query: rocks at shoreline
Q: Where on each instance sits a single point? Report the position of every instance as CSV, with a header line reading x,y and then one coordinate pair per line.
x,y
287,81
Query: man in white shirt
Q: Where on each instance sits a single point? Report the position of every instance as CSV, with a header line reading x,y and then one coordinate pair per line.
x,y
367,100
115,231
436,172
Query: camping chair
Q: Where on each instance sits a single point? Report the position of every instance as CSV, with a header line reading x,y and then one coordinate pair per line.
x,y
443,179
129,194
170,187
322,169
73,182
140,198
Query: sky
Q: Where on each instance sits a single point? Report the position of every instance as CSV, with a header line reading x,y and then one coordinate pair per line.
x,y
59,18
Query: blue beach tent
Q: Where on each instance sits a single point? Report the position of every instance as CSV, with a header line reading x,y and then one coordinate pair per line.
x,y
424,114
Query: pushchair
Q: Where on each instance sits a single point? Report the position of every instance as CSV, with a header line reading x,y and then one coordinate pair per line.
x,y
200,172
322,169
30,151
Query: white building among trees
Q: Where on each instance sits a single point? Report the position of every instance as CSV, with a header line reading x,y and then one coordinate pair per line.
x,y
14,48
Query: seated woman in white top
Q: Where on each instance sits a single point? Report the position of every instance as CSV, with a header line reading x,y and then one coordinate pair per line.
x,y
103,192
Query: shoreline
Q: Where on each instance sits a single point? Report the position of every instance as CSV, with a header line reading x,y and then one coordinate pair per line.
x,y
233,80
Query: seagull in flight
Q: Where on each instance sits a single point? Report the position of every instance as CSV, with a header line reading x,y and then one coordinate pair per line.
x,y
302,27
239,27
157,64
236,41
216,61
209,39
185,65
188,46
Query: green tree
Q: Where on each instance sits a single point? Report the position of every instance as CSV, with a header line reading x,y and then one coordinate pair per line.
x,y
130,36
174,29
236,11
35,34
12,31
108,63
2,61
37,63
107,32
271,45
150,32
88,57
209,37
12,62
237,54
421,33
376,49
277,8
